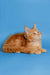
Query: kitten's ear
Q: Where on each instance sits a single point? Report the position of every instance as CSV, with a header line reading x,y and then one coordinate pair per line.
x,y
27,30
34,26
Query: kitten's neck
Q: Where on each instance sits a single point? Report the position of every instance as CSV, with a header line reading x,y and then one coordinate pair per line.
x,y
33,40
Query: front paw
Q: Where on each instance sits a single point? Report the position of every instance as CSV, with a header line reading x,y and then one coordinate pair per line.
x,y
43,50
37,52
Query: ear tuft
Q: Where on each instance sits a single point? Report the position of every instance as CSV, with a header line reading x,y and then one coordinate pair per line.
x,y
34,26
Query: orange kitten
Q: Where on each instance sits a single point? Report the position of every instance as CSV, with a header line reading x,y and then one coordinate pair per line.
x,y
27,42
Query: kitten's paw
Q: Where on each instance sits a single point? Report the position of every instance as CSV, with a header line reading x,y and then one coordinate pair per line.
x,y
29,52
38,52
43,50
17,51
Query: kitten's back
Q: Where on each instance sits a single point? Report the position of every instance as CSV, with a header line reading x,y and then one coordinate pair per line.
x,y
17,39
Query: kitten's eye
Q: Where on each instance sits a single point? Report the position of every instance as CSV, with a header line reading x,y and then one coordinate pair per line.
x,y
34,33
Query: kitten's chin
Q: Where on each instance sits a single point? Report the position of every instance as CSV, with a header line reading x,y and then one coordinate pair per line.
x,y
37,38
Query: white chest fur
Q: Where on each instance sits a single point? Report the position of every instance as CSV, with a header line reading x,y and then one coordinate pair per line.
x,y
35,43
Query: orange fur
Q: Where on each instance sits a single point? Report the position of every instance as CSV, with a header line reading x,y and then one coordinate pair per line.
x,y
27,42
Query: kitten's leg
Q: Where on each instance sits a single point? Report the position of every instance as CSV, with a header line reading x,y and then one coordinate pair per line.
x,y
37,52
17,51
28,50
43,50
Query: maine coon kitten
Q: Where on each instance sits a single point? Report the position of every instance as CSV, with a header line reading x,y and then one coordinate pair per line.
x,y
27,42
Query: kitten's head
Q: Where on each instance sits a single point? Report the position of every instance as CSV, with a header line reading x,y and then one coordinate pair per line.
x,y
32,34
